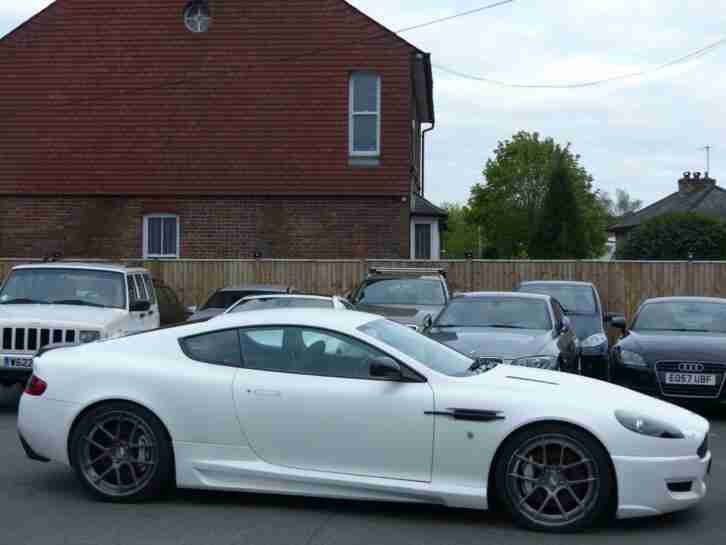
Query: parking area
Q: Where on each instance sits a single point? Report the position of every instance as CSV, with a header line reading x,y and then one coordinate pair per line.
x,y
44,504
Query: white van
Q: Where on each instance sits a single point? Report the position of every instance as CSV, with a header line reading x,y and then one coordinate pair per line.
x,y
61,303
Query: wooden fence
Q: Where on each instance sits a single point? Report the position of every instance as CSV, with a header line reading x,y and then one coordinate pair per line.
x,y
622,284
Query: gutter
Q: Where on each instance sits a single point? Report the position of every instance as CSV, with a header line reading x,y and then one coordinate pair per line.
x,y
423,157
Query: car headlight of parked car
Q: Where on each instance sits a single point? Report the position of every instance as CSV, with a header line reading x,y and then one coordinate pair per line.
x,y
633,359
540,362
645,425
89,336
595,343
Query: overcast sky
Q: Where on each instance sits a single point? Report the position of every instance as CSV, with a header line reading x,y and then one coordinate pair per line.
x,y
639,134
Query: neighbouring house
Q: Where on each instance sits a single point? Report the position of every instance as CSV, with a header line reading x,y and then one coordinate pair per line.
x,y
213,129
696,193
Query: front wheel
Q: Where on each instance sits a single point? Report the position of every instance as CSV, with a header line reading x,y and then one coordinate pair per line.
x,y
554,478
121,453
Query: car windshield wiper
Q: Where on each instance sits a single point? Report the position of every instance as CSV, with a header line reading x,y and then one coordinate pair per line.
x,y
24,301
505,326
78,302
482,362
679,330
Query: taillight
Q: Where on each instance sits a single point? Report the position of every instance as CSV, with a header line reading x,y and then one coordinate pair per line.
x,y
36,386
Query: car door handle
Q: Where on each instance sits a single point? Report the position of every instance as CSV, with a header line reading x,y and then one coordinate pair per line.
x,y
267,393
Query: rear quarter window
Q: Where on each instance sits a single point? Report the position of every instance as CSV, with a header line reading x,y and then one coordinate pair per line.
x,y
218,348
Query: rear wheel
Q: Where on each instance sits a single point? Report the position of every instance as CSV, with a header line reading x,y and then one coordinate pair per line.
x,y
121,453
554,478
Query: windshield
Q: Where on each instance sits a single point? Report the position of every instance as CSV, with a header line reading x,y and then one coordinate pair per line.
x,y
402,291
574,299
682,316
430,353
65,286
227,298
280,302
515,313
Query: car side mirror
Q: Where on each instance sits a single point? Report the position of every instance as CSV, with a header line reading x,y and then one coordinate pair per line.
x,y
425,323
566,325
385,368
140,306
619,322
192,309
608,317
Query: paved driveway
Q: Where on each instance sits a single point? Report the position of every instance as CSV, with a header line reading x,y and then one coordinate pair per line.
x,y
43,504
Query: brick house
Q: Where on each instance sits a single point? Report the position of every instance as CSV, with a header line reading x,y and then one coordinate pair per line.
x,y
696,193
212,129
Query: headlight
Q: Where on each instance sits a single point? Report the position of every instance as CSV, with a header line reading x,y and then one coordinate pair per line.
x,y
632,359
540,362
648,426
594,340
89,336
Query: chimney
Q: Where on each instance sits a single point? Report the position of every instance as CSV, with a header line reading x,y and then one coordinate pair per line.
x,y
695,182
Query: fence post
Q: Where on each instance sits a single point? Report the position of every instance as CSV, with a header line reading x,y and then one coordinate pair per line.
x,y
470,275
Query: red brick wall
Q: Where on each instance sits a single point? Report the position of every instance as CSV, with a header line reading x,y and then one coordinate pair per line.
x,y
214,227
102,97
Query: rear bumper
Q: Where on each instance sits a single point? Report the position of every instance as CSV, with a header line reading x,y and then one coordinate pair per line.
x,y
44,425
643,484
29,450
16,376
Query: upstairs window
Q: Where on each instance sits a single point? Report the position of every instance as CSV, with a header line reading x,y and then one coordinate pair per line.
x,y
365,114
161,236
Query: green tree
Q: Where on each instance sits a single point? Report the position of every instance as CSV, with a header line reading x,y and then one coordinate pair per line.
x,y
560,233
677,236
508,204
622,204
461,236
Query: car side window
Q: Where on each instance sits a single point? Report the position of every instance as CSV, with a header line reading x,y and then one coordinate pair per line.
x,y
218,347
140,288
149,285
559,314
306,351
134,294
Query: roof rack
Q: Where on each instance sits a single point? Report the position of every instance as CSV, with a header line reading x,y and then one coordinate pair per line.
x,y
408,270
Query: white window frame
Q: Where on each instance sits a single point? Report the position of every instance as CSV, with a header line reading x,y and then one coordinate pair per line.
x,y
148,255
352,113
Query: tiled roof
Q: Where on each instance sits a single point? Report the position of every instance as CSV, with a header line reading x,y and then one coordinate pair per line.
x,y
423,207
710,201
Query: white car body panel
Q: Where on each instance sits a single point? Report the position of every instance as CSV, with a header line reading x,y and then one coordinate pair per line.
x,y
248,430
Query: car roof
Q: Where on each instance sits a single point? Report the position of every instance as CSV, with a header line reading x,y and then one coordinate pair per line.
x,y
110,267
503,294
684,299
556,283
287,296
256,287
316,317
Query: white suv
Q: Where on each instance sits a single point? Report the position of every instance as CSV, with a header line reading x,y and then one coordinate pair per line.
x,y
53,304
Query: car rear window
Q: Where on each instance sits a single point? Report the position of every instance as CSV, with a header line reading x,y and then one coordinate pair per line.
x,y
402,291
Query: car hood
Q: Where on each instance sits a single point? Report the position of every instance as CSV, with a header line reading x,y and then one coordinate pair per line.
x,y
671,346
501,343
579,393
403,314
60,316
205,314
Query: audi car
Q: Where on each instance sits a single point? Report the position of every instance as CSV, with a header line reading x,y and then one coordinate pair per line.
x,y
675,348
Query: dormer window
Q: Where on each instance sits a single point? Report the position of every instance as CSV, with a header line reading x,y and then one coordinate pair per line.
x,y
197,17
365,115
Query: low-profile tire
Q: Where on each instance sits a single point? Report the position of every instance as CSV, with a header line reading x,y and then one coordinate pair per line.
x,y
554,478
121,453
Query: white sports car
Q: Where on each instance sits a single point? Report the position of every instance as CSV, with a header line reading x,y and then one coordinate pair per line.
x,y
349,405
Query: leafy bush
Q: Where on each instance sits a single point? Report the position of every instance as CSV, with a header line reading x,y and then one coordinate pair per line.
x,y
677,236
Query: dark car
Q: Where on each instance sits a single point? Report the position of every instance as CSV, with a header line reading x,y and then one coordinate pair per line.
x,y
581,303
224,298
675,348
171,310
402,295
512,328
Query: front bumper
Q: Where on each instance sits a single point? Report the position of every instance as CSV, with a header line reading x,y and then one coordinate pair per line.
x,y
646,485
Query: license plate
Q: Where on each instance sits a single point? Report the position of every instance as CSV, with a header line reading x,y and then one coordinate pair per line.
x,y
691,379
18,363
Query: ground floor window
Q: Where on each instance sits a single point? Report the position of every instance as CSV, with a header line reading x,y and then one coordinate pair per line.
x,y
161,236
